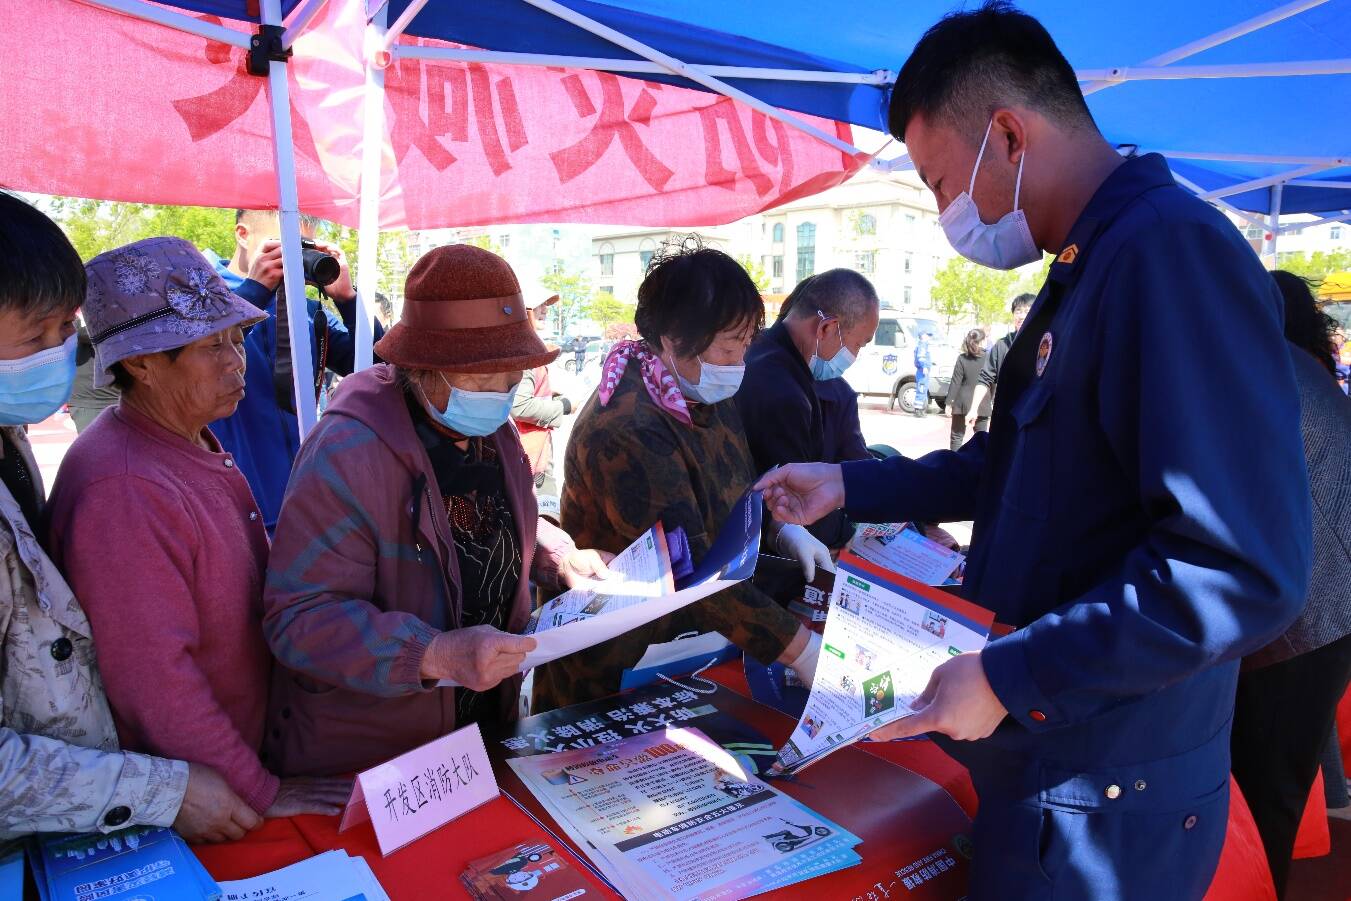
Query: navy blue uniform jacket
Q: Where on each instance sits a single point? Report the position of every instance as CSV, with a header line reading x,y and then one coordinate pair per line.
x,y
1141,505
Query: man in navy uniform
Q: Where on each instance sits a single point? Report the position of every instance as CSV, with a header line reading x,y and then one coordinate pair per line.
x,y
1138,549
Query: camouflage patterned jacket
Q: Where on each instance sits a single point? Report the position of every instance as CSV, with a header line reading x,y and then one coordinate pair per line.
x,y
60,768
627,466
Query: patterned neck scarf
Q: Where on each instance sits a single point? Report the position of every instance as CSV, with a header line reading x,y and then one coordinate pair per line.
x,y
661,385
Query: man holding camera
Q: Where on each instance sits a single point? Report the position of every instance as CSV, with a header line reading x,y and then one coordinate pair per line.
x,y
263,434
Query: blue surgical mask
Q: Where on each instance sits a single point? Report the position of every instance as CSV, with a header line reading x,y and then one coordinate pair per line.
x,y
716,383
1007,244
474,413
825,370
35,387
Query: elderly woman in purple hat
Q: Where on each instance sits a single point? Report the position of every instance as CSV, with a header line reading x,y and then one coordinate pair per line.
x,y
157,531
410,534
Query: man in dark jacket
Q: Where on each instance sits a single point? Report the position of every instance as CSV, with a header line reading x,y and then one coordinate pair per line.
x,y
994,360
826,321
1135,557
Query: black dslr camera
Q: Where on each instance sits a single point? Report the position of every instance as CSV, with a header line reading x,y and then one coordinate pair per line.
x,y
321,269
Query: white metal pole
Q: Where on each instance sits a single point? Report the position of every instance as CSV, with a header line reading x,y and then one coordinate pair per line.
x,y
1342,216
394,32
1222,204
1122,74
300,20
1248,26
288,206
693,73
880,77
1274,229
372,155
1264,182
159,15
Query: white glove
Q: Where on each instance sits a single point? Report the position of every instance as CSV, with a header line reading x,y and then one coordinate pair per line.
x,y
804,667
802,546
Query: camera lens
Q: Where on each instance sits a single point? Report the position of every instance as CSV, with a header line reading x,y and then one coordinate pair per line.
x,y
320,268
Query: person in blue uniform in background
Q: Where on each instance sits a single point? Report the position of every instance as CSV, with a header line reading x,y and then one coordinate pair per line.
x,y
262,434
1135,548
923,363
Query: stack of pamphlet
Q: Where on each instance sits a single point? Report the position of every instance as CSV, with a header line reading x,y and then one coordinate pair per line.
x,y
331,876
140,862
530,871
672,815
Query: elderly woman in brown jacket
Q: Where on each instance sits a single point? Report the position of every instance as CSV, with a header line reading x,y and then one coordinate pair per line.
x,y
409,534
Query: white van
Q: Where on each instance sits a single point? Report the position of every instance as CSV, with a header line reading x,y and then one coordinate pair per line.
x,y
886,367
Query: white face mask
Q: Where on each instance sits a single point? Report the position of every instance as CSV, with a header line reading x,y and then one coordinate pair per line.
x,y
716,383
1007,244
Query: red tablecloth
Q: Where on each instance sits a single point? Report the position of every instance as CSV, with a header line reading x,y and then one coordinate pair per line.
x,y
429,868
1242,874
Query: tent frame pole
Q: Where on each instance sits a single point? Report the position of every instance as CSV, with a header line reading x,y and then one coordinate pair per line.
x,y
693,73
1274,226
1264,182
1317,183
288,209
177,21
372,157
1123,74
1222,204
1248,26
635,66
299,21
1343,216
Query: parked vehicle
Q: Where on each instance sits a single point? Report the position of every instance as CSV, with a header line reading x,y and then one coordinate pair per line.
x,y
886,367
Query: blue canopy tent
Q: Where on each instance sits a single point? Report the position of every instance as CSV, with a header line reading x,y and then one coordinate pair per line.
x,y
1250,100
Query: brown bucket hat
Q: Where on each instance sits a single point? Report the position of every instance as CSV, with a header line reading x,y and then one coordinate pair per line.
x,y
463,312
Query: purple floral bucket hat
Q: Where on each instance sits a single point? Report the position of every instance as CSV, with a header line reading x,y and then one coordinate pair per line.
x,y
152,296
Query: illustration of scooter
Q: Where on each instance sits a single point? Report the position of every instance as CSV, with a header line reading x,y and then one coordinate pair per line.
x,y
786,840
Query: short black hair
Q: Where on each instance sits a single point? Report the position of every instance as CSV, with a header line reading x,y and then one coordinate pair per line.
x,y
1022,302
40,272
691,293
972,63
842,293
1306,326
306,220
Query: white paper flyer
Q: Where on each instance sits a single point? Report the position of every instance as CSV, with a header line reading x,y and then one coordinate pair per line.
x,y
884,637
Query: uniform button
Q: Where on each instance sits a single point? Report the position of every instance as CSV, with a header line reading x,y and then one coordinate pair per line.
x,y
286,713
62,649
117,816
1189,822
229,464
1112,792
1141,785
253,515
1036,715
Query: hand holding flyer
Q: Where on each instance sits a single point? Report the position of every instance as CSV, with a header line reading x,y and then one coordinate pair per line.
x,y
885,635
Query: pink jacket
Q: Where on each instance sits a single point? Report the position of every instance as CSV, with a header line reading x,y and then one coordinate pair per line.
x,y
363,575
164,546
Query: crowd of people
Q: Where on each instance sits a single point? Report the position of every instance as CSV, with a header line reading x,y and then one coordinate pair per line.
x,y
209,622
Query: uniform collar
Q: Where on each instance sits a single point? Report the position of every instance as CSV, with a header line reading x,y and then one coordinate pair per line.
x,y
1131,179
779,334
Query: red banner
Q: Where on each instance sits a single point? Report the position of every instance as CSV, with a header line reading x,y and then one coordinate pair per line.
x,y
98,104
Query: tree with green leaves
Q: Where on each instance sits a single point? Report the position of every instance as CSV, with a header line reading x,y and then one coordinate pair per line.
x,y
606,310
574,293
756,271
1316,266
964,290
96,226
